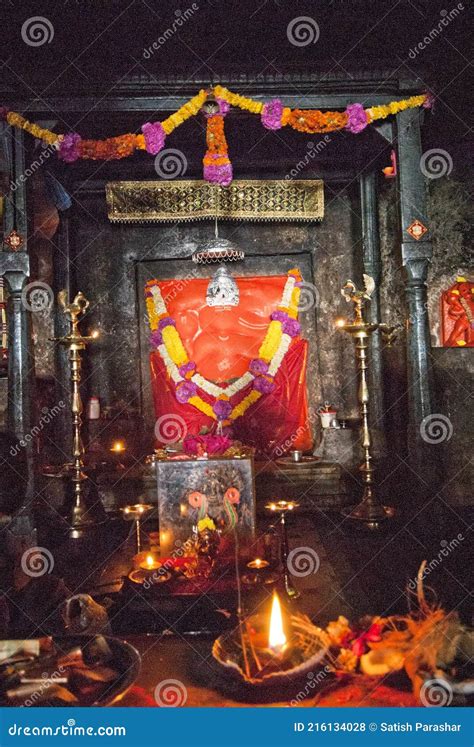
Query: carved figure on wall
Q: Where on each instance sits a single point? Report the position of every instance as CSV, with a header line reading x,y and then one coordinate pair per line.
x,y
457,313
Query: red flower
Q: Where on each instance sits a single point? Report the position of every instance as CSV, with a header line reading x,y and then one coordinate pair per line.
x,y
358,641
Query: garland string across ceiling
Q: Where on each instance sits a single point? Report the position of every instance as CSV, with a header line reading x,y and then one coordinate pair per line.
x,y
215,104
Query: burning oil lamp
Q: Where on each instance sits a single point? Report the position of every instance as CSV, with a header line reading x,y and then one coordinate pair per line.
x,y
258,564
118,447
277,641
258,573
151,563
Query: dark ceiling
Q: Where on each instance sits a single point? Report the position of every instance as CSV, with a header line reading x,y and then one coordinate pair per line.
x,y
97,43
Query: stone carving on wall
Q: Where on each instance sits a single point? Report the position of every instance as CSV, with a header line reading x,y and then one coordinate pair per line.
x,y
457,313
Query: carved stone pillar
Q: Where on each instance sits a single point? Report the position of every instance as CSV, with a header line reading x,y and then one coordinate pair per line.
x,y
416,256
15,269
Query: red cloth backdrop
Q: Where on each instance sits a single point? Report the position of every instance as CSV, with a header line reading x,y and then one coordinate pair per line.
x,y
222,342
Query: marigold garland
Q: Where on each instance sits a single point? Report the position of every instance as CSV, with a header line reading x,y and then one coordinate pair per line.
x,y
217,166
307,120
262,370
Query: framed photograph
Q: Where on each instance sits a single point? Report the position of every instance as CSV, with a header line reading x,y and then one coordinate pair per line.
x,y
189,490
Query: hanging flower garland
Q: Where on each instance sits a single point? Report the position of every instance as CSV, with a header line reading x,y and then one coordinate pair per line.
x,y
217,166
188,382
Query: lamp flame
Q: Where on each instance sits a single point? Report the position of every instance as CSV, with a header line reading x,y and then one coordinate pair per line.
x,y
277,637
